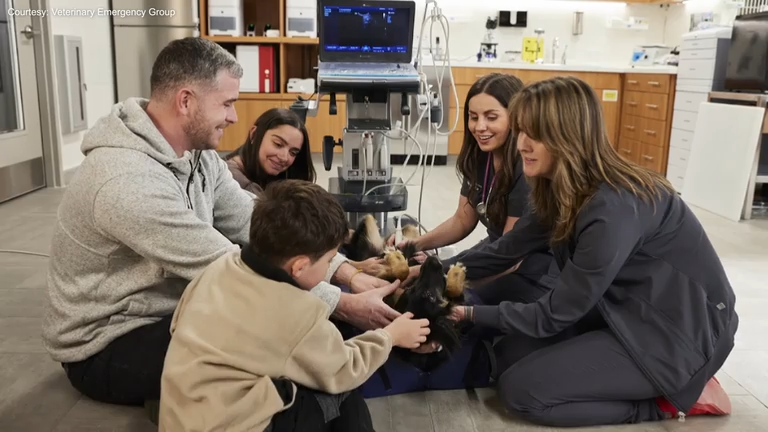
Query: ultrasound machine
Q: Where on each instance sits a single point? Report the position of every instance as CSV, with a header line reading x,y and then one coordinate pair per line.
x,y
366,53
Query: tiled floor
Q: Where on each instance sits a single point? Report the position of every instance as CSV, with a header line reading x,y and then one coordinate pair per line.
x,y
35,396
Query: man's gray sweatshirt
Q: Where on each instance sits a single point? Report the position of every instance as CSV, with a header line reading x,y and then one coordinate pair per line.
x,y
135,226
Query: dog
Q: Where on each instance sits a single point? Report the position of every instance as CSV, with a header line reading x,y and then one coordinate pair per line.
x,y
431,295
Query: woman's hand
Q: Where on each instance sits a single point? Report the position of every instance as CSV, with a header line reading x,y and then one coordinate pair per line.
x,y
458,313
371,266
391,242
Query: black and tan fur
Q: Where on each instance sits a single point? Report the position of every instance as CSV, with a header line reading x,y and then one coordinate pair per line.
x,y
431,295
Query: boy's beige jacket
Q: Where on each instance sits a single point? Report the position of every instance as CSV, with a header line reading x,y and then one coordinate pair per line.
x,y
233,330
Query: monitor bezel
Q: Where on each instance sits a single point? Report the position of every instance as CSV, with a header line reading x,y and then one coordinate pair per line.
x,y
333,56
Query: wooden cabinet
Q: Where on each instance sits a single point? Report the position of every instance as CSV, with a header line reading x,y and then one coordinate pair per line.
x,y
252,106
610,83
248,110
646,119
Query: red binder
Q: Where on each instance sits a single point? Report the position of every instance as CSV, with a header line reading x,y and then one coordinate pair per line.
x,y
267,70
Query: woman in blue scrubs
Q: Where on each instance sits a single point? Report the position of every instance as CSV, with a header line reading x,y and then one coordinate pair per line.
x,y
642,314
493,192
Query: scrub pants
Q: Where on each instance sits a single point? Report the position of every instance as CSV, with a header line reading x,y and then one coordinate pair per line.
x,y
573,379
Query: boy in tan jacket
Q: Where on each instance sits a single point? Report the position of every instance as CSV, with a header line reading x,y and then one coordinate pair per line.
x,y
253,350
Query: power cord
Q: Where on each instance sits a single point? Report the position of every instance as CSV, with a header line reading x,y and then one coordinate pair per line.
x,y
21,252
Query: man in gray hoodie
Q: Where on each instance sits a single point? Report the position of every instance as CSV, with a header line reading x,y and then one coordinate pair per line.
x,y
150,207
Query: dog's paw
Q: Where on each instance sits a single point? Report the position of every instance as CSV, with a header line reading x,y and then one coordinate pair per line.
x,y
455,281
395,266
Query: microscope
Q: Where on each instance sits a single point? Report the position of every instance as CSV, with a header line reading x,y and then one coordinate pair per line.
x,y
488,46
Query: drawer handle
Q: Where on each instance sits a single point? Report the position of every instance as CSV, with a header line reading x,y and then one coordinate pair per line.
x,y
654,83
626,151
631,81
652,106
630,127
650,132
632,103
646,157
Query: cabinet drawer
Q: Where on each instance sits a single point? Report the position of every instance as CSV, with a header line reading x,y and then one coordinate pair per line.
x,y
681,139
629,149
678,157
676,176
684,120
690,44
461,92
696,69
654,83
688,101
648,105
631,127
695,85
647,131
698,54
653,132
652,157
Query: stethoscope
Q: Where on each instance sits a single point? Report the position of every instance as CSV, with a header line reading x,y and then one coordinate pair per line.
x,y
482,206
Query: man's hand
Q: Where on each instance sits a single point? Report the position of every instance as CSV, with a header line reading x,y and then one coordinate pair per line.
x,y
362,282
367,310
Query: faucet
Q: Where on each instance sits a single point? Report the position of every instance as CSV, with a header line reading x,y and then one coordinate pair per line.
x,y
555,46
565,50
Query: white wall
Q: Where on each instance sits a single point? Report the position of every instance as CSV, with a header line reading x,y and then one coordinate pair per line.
x,y
597,44
97,57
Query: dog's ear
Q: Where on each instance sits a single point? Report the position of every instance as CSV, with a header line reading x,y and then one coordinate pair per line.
x,y
455,281
411,232
366,241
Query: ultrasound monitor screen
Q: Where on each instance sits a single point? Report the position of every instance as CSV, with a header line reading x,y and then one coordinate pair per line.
x,y
365,29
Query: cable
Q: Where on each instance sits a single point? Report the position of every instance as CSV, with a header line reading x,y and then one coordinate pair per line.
x,y
21,252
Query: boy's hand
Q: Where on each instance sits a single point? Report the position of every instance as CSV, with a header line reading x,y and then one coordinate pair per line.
x,y
407,332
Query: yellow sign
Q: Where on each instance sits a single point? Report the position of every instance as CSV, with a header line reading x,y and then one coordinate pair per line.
x,y
531,47
610,95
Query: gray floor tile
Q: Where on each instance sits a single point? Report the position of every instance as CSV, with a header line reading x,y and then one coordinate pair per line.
x,y
34,393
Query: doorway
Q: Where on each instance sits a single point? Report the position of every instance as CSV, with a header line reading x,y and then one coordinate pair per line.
x,y
22,163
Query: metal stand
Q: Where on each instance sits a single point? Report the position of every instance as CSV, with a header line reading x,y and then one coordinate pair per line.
x,y
361,174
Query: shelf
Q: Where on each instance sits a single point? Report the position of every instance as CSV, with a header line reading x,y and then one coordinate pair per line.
x,y
262,40
283,96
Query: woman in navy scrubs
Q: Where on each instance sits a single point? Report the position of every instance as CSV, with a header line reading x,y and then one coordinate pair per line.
x,y
493,192
642,314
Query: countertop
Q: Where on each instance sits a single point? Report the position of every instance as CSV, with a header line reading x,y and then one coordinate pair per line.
x,y
575,67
